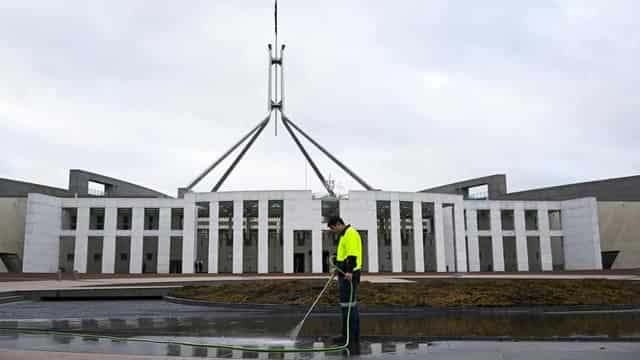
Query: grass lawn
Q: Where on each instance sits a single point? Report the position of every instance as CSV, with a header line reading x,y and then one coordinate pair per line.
x,y
435,293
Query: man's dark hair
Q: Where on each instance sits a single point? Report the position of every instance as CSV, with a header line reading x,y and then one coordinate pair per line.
x,y
335,220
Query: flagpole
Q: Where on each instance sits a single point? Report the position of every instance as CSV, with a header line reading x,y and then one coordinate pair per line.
x,y
275,17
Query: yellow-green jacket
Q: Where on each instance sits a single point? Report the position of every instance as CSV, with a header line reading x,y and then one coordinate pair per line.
x,y
349,256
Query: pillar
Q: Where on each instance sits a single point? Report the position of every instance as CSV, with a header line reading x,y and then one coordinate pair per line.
x,y
521,238
237,235
496,237
109,240
190,219
438,224
372,233
461,247
137,231
396,243
164,240
472,240
545,237
214,229
418,241
263,236
81,242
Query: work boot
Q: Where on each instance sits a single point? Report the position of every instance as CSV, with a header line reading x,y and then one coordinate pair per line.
x,y
354,346
338,340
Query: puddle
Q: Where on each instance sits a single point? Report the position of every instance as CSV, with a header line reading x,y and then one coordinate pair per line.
x,y
382,334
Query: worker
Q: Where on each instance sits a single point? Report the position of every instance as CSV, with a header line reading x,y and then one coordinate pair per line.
x,y
349,261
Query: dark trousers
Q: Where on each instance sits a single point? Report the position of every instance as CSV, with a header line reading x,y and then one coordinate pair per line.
x,y
345,292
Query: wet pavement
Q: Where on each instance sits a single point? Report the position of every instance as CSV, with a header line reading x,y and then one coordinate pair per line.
x,y
467,350
384,335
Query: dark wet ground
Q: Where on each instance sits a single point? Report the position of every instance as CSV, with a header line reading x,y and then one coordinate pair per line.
x,y
390,334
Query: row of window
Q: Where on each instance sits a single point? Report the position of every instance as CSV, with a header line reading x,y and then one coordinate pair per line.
x,y
124,218
150,246
531,221
329,208
152,215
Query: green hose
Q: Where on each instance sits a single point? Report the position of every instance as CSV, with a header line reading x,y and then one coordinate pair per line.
x,y
213,346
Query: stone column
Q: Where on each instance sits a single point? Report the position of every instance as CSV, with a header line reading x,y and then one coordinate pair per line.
x,y
237,235
521,238
438,224
372,234
496,238
287,236
472,240
263,236
418,240
189,230
109,240
396,243
545,237
164,240
214,230
137,231
317,226
461,246
81,242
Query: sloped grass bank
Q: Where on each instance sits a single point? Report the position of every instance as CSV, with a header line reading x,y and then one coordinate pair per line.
x,y
437,293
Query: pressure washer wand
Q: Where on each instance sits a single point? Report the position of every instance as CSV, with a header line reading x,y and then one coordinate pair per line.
x,y
296,330
318,298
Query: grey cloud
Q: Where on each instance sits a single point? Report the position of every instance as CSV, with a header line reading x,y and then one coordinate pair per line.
x,y
409,94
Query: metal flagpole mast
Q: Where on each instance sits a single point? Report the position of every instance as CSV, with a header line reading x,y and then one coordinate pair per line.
x,y
275,68
275,107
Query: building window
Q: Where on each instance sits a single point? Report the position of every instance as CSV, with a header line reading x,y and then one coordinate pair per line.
x,y
96,188
383,215
96,219
531,219
507,217
203,209
427,218
480,192
124,218
69,218
151,216
247,238
555,220
177,218
404,239
484,220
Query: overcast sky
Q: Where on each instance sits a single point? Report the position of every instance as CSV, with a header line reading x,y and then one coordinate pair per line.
x,y
409,94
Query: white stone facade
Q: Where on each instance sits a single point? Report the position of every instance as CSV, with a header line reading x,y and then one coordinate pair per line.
x,y
452,232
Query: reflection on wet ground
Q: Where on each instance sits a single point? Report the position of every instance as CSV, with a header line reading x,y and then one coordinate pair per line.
x,y
90,345
609,325
382,334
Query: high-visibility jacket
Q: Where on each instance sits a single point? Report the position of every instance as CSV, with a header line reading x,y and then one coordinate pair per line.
x,y
349,250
